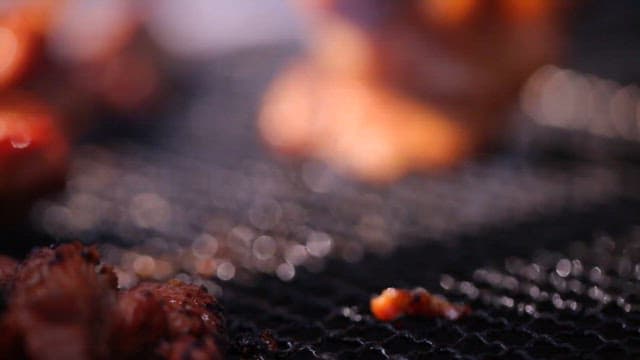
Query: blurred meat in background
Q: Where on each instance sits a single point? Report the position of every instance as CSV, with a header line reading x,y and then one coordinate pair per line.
x,y
391,87
65,63
385,88
33,154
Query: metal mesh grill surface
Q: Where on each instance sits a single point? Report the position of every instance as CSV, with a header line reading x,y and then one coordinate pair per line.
x,y
580,303
558,281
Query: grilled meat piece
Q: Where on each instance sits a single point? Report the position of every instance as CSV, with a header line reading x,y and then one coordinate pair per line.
x,y
63,304
189,308
59,305
140,323
182,320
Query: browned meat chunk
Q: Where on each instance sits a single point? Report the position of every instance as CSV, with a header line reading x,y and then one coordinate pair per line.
x,y
59,302
63,304
185,317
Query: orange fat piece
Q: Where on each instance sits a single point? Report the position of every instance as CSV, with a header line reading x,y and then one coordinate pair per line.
x,y
394,303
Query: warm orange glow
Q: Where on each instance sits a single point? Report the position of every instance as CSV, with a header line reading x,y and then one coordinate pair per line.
x,y
34,16
33,151
16,51
361,129
527,10
285,125
380,101
341,47
390,305
21,32
394,303
448,12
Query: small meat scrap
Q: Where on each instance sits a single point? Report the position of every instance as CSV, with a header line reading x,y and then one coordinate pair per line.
x,y
63,303
394,303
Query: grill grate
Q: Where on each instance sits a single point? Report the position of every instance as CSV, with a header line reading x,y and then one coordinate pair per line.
x,y
322,312
325,315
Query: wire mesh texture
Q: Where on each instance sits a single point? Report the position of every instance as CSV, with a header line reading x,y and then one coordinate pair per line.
x,y
549,305
576,297
543,247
